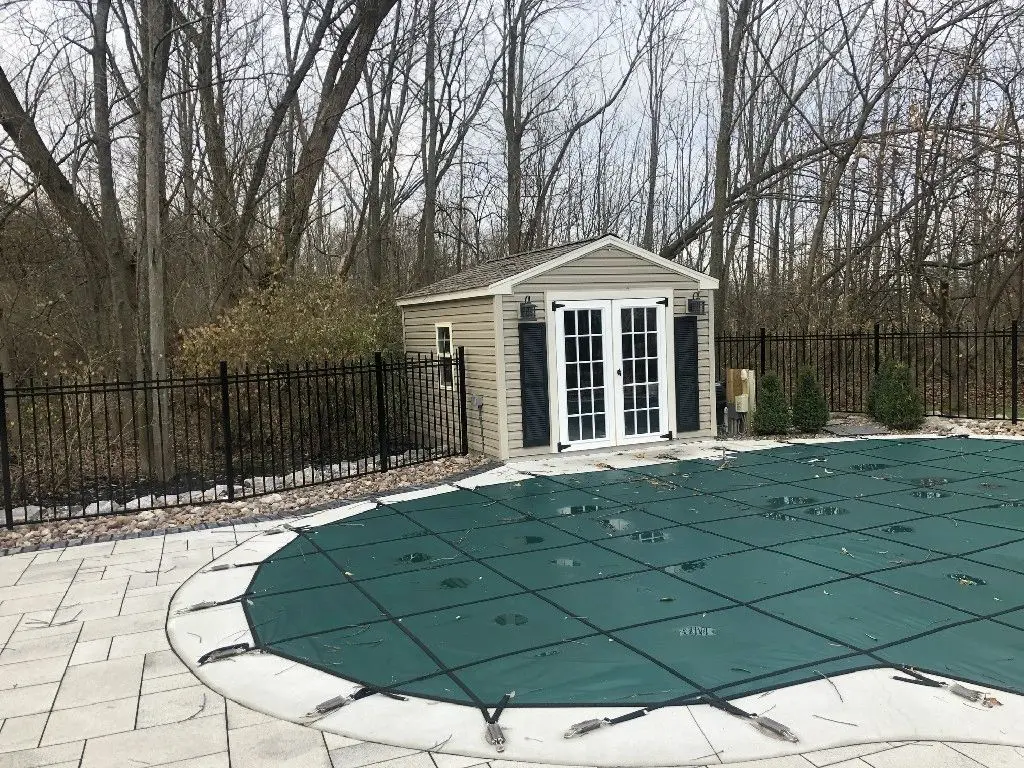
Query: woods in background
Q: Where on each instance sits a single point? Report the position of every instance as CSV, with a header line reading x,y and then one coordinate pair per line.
x,y
171,164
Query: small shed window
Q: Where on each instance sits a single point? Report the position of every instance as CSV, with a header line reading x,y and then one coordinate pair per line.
x,y
443,337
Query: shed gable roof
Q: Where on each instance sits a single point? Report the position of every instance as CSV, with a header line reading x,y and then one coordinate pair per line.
x,y
500,275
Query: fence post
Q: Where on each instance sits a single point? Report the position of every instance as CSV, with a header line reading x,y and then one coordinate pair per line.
x,y
225,417
763,345
463,414
1013,372
382,413
5,459
878,346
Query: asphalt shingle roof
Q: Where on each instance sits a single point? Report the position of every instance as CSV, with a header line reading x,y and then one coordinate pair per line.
x,y
482,275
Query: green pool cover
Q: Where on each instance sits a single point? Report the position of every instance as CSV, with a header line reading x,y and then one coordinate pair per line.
x,y
633,587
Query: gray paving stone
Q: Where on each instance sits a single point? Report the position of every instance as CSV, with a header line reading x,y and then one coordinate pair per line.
x,y
789,761
128,558
218,760
168,682
178,705
243,717
89,651
49,572
416,760
22,732
38,589
100,681
932,755
90,721
20,605
138,643
31,673
39,625
454,761
95,592
7,626
47,556
991,755
829,757
140,580
148,544
334,741
159,745
83,551
141,604
366,753
59,755
11,570
162,663
24,647
277,744
123,625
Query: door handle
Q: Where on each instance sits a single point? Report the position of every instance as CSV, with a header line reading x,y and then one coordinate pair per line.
x,y
618,372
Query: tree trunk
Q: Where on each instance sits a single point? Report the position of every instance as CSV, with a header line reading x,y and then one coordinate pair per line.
x,y
732,33
341,77
426,242
120,262
157,46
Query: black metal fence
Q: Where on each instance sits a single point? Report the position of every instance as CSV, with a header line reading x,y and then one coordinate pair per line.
x,y
70,450
965,374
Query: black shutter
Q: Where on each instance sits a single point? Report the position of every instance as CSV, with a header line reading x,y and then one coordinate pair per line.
x,y
533,384
687,385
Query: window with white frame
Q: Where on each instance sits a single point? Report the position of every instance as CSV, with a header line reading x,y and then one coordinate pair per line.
x,y
443,338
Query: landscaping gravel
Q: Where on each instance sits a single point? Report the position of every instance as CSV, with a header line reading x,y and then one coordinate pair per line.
x,y
278,504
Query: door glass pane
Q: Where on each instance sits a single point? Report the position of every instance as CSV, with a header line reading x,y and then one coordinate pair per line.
x,y
584,374
584,347
588,428
641,370
641,422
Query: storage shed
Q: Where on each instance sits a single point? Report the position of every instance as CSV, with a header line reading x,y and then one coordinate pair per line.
x,y
586,345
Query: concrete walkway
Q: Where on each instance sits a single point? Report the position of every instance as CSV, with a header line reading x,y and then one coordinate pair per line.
x,y
87,679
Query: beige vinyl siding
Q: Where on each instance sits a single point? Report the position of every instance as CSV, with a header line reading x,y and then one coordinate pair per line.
x,y
614,270
472,322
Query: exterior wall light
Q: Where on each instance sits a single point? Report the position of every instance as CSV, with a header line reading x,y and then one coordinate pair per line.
x,y
528,310
696,305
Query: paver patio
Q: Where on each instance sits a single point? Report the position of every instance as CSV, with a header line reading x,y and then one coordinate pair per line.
x,y
88,680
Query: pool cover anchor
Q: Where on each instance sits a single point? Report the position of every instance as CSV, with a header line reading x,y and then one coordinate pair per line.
x,y
331,705
585,727
206,604
493,734
228,566
225,652
970,694
765,725
285,528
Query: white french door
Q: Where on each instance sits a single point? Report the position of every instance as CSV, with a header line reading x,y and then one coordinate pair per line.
x,y
584,357
640,364
611,367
